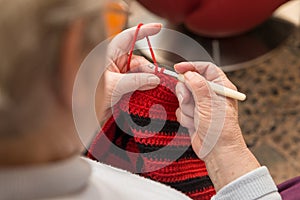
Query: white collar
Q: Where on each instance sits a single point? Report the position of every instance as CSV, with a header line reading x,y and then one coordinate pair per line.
x,y
44,181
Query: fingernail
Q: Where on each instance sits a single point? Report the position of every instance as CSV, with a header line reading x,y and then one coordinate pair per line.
x,y
155,24
153,80
159,24
177,65
189,75
151,66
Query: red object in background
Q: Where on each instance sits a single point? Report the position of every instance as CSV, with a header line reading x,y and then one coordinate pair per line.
x,y
215,18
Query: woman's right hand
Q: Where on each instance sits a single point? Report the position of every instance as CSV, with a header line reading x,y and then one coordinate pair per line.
x,y
212,121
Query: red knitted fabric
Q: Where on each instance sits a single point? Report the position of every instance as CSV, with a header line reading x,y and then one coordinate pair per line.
x,y
187,174
129,129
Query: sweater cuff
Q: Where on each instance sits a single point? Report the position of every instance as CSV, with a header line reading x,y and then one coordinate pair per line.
x,y
257,184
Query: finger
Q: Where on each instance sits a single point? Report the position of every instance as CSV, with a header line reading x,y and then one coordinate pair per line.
x,y
209,116
186,101
185,120
137,64
123,41
198,86
208,70
131,82
182,93
183,67
141,64
203,97
188,109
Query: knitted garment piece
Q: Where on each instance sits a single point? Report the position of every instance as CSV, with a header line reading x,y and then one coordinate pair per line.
x,y
129,129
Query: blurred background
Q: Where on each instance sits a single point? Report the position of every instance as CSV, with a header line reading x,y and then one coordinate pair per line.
x,y
257,45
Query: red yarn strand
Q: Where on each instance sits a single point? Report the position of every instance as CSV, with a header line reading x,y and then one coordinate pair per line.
x,y
150,48
152,54
132,45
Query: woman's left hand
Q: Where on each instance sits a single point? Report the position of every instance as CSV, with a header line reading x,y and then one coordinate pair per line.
x,y
115,82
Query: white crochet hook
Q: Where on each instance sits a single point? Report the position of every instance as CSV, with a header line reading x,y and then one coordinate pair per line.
x,y
218,89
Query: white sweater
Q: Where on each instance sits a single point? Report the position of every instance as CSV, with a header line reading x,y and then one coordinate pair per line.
x,y
257,184
83,179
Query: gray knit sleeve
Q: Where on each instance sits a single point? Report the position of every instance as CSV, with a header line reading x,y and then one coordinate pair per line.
x,y
257,184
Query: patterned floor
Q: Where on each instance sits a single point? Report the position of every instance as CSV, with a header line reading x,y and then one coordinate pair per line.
x,y
270,117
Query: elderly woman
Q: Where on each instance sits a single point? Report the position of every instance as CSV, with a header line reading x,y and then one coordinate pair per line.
x,y
42,46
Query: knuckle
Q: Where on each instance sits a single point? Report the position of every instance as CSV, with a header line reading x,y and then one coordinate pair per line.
x,y
198,82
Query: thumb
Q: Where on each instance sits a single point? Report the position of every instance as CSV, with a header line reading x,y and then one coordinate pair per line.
x,y
132,82
138,81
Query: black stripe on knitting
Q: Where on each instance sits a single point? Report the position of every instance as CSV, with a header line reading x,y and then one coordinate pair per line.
x,y
191,185
167,127
188,154
169,154
124,138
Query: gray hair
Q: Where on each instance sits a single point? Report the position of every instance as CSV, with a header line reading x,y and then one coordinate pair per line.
x,y
31,34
